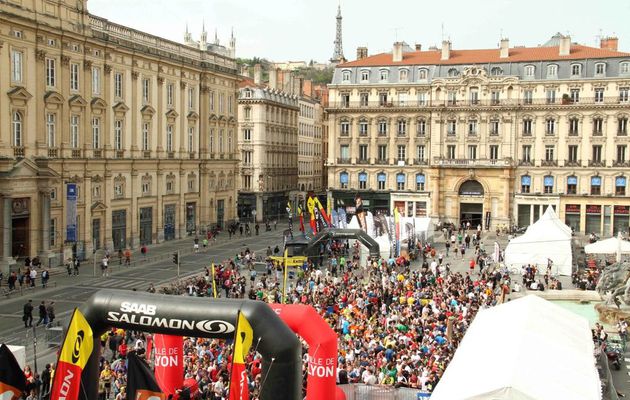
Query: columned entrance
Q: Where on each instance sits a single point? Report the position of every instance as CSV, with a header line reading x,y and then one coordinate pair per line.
x,y
169,222
146,225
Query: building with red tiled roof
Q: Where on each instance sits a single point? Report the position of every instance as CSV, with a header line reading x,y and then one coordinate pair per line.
x,y
487,136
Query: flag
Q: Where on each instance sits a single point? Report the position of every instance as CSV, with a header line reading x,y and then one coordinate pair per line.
x,y
310,206
397,225
76,350
140,382
214,283
301,215
322,211
12,381
169,362
242,343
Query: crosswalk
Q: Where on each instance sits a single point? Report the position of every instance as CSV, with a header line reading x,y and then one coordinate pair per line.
x,y
118,283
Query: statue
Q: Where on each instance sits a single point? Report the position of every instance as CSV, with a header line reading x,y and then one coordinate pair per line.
x,y
614,284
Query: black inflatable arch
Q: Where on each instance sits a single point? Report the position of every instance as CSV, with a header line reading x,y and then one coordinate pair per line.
x,y
199,317
337,233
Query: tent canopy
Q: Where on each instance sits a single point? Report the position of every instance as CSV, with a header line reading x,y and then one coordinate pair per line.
x,y
547,239
527,349
608,246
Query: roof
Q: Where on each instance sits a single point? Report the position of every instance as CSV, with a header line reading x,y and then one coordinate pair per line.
x,y
526,349
479,56
247,82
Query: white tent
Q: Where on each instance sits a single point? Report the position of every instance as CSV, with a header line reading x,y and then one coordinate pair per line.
x,y
614,245
548,238
527,349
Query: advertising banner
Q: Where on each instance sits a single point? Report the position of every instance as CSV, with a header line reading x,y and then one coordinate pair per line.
x,y
71,212
169,362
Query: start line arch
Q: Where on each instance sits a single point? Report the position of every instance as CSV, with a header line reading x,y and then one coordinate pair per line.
x,y
198,317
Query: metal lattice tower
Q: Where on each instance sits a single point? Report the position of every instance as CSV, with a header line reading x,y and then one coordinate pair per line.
x,y
338,53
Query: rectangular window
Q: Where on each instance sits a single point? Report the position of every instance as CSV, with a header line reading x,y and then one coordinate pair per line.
x,y
527,127
620,186
472,127
51,130
402,152
191,98
452,98
382,128
382,98
575,95
118,134
572,185
420,181
451,127
221,102
96,133
527,153
345,128
596,185
474,96
494,127
17,58
420,152
526,184
363,128
599,95
146,133
621,153
528,96
574,126
382,152
549,150
550,126
622,129
74,131
363,99
363,152
494,152
624,94
472,152
422,99
495,97
96,80
422,127
52,234
247,157
551,96
169,95
145,90
573,153
597,153
450,151
362,181
247,135
548,184
169,138
230,104
51,73
74,77
212,98
191,139
118,84
598,126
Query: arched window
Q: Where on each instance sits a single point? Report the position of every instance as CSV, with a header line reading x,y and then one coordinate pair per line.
x,y
346,76
576,70
471,188
552,71
343,180
381,179
572,184
17,129
420,181
452,72
384,75
548,184
530,71
624,67
365,75
403,74
422,74
363,180
402,127
574,126
400,181
600,69
526,183
496,71
422,127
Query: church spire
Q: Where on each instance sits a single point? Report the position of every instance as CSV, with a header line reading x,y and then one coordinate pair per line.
x,y
338,52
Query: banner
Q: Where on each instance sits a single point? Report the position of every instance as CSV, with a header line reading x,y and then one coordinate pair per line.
x,y
214,282
71,212
169,362
397,227
76,350
12,380
140,382
242,343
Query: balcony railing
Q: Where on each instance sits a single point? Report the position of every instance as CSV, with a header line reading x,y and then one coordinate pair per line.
x,y
97,153
621,163
120,153
622,133
170,155
381,161
146,154
526,163
572,163
470,162
548,163
342,160
18,151
479,103
420,161
597,133
192,155
363,161
596,163
402,161
53,152
76,153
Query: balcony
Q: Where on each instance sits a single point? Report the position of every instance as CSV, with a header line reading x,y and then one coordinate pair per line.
x,y
192,155
120,153
382,161
573,132
548,163
363,134
18,152
597,133
97,153
76,153
596,163
470,162
572,163
622,133
146,154
363,161
341,160
525,163
53,152
420,161
621,163
171,155
382,134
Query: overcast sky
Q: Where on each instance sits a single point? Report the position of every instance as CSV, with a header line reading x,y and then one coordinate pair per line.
x,y
283,30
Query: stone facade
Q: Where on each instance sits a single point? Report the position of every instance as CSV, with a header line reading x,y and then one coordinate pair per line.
x,y
145,127
487,136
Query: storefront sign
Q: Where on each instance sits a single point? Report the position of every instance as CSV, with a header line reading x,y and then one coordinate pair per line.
x,y
622,210
572,209
593,209
71,212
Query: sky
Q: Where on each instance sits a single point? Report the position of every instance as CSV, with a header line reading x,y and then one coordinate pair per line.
x,y
282,30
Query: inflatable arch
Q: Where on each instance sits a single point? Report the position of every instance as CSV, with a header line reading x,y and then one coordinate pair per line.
x,y
199,317
322,349
336,233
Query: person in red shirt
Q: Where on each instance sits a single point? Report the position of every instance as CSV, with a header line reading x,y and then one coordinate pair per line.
x,y
122,349
472,265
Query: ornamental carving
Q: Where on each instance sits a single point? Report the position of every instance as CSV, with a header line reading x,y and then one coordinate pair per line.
x,y
65,60
160,80
40,55
107,68
87,64
134,75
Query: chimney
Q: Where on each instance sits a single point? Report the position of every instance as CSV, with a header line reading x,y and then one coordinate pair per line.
x,y
418,47
397,53
257,74
245,70
609,43
504,48
362,52
307,87
565,45
273,78
446,49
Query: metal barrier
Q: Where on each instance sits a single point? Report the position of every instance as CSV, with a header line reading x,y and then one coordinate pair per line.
x,y
377,392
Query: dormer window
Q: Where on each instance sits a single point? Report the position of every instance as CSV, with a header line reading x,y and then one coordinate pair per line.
x,y
552,71
422,74
365,75
248,94
624,67
384,75
530,70
452,72
576,70
496,71
404,73
600,69
346,76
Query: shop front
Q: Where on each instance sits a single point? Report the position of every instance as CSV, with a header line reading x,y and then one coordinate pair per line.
x,y
572,216
529,208
411,204
601,216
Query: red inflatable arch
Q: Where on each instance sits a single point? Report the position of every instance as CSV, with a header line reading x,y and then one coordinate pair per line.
x,y
322,349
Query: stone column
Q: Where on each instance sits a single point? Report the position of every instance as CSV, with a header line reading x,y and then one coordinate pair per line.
x,y
45,253
7,240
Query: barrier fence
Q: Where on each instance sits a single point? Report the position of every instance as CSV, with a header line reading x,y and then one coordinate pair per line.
x,y
376,392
